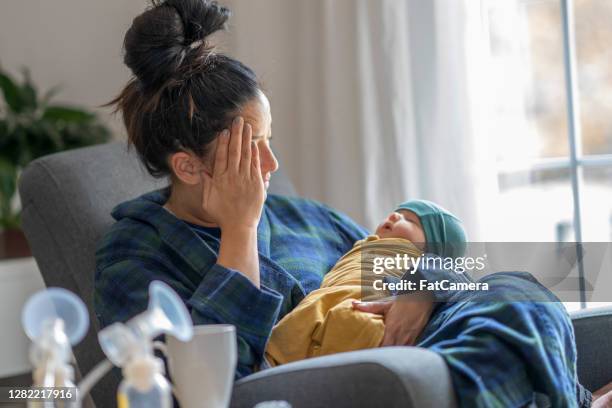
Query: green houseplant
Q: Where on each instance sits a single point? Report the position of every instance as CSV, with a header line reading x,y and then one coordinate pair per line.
x,y
32,126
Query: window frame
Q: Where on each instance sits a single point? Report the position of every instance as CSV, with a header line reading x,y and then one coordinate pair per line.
x,y
576,161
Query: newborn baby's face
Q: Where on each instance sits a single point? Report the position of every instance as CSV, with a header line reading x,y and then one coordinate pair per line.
x,y
403,224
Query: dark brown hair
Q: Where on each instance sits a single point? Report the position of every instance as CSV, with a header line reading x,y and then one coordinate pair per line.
x,y
183,92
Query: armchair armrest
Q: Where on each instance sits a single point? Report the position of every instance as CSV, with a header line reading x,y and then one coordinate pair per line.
x,y
404,376
593,330
388,376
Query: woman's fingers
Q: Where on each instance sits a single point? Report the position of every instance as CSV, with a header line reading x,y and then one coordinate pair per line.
x,y
407,339
255,167
221,153
390,337
392,329
379,308
206,187
245,160
232,195
398,335
235,145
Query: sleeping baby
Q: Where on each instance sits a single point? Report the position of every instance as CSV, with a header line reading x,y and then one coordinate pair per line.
x,y
324,322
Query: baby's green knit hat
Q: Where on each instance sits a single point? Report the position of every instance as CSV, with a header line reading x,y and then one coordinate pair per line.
x,y
444,232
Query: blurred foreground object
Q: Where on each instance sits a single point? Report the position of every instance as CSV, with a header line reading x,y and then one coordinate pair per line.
x,y
130,346
55,320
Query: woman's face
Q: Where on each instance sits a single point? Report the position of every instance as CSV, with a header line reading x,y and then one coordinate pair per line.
x,y
257,114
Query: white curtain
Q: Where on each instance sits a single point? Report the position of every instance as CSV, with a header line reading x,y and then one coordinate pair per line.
x,y
384,102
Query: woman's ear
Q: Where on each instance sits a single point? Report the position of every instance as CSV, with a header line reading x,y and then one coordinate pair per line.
x,y
186,167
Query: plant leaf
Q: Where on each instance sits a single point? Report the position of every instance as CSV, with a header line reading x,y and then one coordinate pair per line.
x,y
46,98
29,94
8,187
11,91
30,129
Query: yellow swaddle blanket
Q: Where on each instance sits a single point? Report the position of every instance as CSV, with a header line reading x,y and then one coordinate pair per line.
x,y
324,322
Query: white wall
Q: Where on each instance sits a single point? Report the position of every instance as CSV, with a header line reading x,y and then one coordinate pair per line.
x,y
19,279
264,35
76,44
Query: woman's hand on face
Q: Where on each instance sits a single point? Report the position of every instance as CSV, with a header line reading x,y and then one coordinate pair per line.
x,y
234,194
405,317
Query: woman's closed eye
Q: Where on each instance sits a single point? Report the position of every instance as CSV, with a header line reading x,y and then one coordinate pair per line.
x,y
262,137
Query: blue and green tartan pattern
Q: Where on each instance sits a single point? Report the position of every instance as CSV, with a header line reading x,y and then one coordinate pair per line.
x,y
502,350
298,240
499,353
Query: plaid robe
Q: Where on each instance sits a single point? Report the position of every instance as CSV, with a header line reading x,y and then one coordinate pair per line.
x,y
499,352
299,241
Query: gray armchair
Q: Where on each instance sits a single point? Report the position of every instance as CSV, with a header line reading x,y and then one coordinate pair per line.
x,y
67,199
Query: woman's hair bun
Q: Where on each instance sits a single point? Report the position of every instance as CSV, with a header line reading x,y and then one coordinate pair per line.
x,y
160,39
183,93
200,18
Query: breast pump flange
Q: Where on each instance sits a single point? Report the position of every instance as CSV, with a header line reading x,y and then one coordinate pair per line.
x,y
54,319
130,346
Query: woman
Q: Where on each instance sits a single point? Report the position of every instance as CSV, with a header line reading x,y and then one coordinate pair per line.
x,y
233,254
201,118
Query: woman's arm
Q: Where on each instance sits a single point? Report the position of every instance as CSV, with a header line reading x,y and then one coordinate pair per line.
x,y
230,291
227,296
238,251
223,296
233,197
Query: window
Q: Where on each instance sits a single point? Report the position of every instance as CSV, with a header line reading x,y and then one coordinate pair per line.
x,y
551,67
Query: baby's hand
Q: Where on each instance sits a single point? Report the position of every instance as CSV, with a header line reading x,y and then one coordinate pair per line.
x,y
234,195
